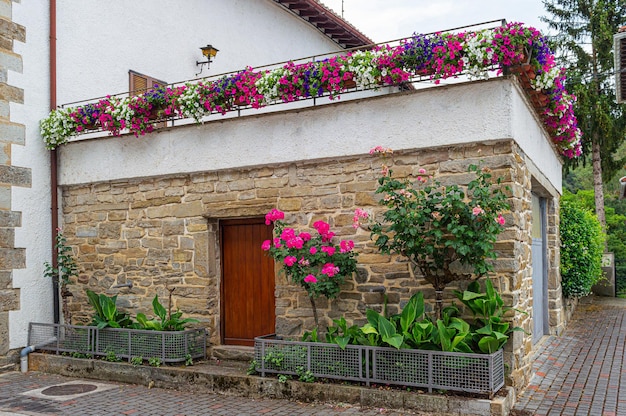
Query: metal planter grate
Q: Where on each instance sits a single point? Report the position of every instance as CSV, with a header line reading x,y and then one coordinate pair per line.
x,y
169,346
476,373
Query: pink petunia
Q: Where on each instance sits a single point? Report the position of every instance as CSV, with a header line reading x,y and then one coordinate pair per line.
x,y
310,279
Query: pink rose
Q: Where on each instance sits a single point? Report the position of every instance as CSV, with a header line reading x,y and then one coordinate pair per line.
x,y
266,245
310,279
290,260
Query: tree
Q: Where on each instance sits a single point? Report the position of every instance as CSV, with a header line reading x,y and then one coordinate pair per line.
x,y
447,232
585,46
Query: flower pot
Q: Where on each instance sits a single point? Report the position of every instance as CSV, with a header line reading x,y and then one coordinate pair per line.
x,y
241,101
349,84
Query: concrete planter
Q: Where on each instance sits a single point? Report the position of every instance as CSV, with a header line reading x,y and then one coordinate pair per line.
x,y
476,373
169,346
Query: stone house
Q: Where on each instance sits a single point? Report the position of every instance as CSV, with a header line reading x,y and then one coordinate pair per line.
x,y
182,208
53,53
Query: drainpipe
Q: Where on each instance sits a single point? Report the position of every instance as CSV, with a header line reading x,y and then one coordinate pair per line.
x,y
54,202
27,350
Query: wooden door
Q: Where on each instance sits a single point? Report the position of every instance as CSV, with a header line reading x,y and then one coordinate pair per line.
x,y
247,289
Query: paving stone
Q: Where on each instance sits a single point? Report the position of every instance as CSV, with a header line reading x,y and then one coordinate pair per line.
x,y
580,372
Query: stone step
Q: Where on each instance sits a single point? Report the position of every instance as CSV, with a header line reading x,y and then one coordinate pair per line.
x,y
232,353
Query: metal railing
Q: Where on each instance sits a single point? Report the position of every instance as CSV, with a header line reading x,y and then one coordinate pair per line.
x,y
123,343
475,373
415,81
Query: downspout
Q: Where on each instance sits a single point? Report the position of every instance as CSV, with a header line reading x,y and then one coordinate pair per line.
x,y
27,350
54,203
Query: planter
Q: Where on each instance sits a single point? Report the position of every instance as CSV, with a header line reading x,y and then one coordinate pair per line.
x,y
475,373
169,346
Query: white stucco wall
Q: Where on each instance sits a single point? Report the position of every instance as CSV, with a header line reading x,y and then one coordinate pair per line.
x,y
34,202
98,42
446,115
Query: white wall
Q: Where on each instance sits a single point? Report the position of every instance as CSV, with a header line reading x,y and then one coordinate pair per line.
x,y
99,41
34,202
446,115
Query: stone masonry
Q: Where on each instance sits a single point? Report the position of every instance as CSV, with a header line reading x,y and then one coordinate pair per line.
x,y
162,233
10,134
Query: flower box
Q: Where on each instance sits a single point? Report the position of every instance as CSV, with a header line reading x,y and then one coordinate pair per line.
x,y
169,346
475,373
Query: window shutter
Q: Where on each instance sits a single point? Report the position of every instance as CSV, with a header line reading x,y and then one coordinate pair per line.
x,y
138,83
619,50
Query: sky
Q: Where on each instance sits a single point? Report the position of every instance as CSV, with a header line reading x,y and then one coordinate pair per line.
x,y
385,20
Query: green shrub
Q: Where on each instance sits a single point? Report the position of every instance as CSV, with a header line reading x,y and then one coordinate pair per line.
x,y
582,245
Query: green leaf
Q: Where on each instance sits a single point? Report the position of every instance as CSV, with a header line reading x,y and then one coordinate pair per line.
x,y
467,295
488,345
385,328
395,340
109,310
369,329
413,309
373,317
159,310
342,341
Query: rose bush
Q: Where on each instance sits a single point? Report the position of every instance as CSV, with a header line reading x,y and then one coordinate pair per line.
x,y
311,261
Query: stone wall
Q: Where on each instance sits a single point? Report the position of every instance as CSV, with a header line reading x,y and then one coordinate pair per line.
x,y
11,134
162,233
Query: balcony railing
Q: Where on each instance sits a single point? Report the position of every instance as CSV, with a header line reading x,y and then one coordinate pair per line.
x,y
410,63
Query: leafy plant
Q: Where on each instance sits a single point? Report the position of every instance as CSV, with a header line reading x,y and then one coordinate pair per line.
x,y
274,358
447,232
155,362
283,378
111,357
582,245
165,321
106,313
136,361
252,367
188,360
490,331
305,376
66,264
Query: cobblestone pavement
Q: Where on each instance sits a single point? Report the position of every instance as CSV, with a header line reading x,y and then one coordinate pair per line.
x,y
582,372
125,399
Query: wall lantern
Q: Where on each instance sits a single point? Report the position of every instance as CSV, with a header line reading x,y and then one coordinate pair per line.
x,y
209,52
